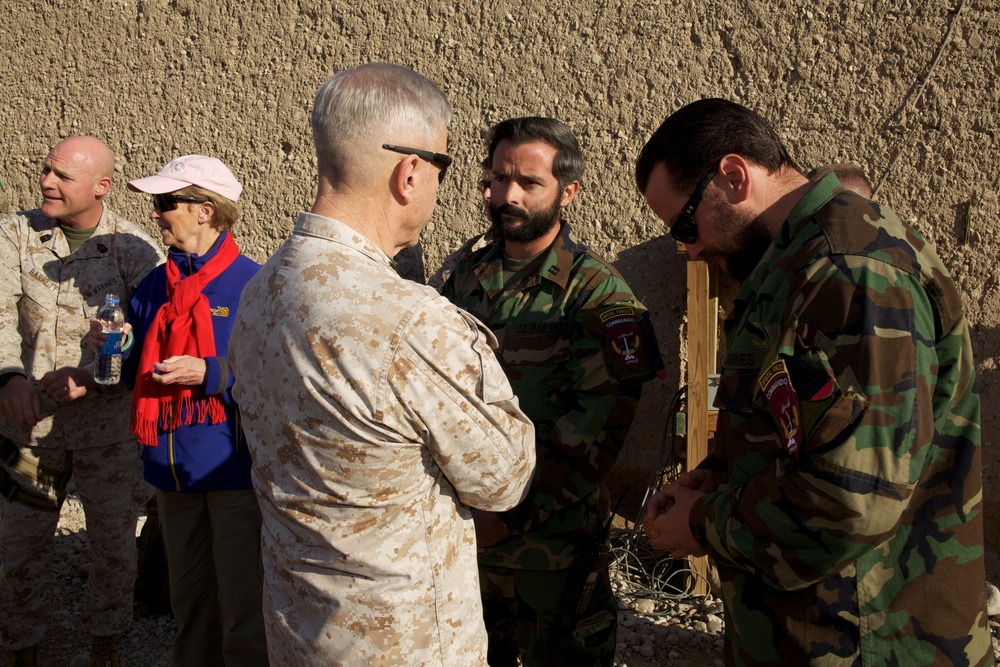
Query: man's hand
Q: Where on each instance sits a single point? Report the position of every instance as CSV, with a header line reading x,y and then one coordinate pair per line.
x,y
19,402
490,529
666,522
699,479
68,383
183,369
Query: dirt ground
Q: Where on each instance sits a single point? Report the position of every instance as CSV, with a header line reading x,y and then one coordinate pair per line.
x,y
906,88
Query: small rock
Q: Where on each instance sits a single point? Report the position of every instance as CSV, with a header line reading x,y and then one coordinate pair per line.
x,y
81,660
714,624
646,651
645,606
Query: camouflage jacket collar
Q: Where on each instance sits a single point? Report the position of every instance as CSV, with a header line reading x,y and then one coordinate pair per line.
x,y
331,229
794,232
817,197
52,237
555,266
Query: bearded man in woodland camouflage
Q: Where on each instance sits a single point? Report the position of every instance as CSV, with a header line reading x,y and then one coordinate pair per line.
x,y
576,345
843,500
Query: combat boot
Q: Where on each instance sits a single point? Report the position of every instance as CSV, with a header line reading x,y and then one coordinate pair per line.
x,y
104,651
25,657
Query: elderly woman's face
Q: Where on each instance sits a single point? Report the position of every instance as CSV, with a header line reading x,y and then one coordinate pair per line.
x,y
182,220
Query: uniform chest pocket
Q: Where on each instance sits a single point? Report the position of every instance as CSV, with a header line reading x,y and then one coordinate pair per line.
x,y
38,300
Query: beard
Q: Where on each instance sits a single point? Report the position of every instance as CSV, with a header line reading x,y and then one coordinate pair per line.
x,y
748,240
511,223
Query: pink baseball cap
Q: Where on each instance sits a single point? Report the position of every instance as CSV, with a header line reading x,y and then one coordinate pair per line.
x,y
201,170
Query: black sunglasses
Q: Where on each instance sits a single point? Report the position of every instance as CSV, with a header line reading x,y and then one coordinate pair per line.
x,y
168,202
685,229
439,160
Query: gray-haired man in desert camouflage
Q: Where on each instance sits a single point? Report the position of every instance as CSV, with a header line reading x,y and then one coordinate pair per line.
x,y
374,409
56,264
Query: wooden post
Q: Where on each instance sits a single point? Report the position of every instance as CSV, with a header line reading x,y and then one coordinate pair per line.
x,y
702,334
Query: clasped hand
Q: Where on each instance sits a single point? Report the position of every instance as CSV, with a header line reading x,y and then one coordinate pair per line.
x,y
667,518
20,402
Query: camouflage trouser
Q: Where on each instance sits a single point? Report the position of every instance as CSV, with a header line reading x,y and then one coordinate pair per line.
x,y
525,613
108,483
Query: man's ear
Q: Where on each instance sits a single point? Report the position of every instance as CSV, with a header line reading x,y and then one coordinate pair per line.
x,y
404,178
737,183
101,186
568,192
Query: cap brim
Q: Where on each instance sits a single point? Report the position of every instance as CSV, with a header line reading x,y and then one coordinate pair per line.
x,y
156,185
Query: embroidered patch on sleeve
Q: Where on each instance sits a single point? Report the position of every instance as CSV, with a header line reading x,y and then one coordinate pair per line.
x,y
621,329
783,403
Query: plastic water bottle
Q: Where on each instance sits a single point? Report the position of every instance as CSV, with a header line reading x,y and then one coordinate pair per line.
x,y
108,365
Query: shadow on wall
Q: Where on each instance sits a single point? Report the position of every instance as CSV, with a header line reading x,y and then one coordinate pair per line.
x,y
657,276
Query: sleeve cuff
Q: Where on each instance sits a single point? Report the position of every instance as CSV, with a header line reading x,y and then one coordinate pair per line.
x,y
216,381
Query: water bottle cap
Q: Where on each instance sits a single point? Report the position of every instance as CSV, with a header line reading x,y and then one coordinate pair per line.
x,y
111,298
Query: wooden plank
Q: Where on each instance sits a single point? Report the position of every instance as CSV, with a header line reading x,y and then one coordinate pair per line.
x,y
713,319
701,353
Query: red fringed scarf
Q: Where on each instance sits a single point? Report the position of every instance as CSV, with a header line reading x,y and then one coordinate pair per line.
x,y
183,325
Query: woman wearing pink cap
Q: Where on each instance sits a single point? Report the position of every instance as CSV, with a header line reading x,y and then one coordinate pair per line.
x,y
183,414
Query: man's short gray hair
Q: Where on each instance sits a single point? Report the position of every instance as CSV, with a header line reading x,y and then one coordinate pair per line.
x,y
359,109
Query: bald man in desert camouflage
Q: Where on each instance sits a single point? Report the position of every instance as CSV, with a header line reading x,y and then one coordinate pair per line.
x,y
375,411
57,262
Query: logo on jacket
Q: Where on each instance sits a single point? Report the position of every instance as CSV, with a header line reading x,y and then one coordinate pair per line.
x,y
621,328
783,403
220,311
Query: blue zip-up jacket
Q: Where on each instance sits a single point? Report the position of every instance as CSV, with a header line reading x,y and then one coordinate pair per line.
x,y
199,457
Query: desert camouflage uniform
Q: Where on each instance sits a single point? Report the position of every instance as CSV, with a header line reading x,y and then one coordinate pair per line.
x,y
373,409
558,332
48,295
848,527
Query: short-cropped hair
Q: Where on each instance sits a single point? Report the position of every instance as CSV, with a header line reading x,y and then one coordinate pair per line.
x,y
851,176
359,109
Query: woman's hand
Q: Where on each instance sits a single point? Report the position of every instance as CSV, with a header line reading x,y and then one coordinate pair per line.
x,y
182,369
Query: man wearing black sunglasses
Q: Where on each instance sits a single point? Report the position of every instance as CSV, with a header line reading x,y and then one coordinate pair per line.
x,y
842,501
576,346
409,262
57,262
374,409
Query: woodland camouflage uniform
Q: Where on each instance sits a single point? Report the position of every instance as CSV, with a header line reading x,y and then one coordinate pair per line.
x,y
564,349
848,531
